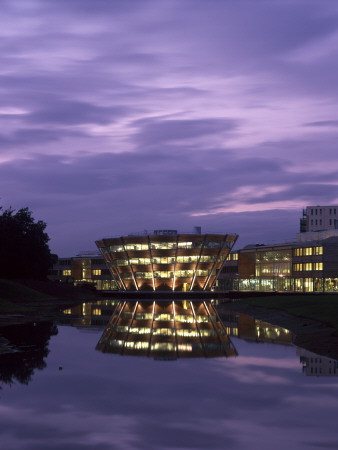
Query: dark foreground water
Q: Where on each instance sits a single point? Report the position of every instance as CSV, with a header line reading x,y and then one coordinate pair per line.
x,y
58,392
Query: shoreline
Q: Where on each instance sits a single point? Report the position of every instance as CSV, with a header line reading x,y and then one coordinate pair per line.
x,y
49,299
309,334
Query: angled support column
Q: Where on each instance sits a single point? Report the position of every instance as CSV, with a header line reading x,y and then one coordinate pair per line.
x,y
128,332
114,266
174,280
151,330
176,340
215,262
220,320
151,262
220,269
198,328
131,268
113,326
198,261
215,329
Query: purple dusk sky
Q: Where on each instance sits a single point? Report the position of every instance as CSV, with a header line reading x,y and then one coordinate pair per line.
x,y
120,116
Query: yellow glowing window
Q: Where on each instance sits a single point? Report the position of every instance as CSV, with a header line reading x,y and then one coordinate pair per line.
x,y
164,331
298,251
137,330
297,267
97,272
67,273
318,266
184,319
188,333
96,312
307,251
185,347
307,266
163,317
318,250
164,346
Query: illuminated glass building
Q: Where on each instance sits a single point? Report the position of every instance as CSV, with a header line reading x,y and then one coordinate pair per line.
x,y
166,260
309,266
166,330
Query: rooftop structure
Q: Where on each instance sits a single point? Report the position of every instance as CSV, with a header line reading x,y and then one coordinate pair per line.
x,y
319,218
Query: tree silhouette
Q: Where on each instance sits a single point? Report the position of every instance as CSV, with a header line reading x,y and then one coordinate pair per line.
x,y
25,347
24,250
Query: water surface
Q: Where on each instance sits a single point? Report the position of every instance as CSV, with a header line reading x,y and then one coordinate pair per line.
x,y
58,391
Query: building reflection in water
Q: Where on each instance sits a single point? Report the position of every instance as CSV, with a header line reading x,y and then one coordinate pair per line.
x,y
169,330
317,366
166,330
90,314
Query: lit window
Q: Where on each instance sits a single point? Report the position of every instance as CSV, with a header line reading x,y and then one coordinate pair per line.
x,y
307,251
318,250
67,273
307,266
97,272
318,266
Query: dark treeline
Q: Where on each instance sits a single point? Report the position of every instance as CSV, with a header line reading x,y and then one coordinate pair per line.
x,y
24,250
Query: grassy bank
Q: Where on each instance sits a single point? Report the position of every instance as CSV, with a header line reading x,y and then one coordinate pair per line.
x,y
320,307
16,298
29,297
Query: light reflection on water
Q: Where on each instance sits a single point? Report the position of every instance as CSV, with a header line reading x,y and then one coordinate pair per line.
x,y
259,399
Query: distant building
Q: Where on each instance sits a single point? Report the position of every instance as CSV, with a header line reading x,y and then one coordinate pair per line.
x,y
310,266
319,218
87,269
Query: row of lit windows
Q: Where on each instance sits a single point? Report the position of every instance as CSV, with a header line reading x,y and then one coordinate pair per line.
x,y
169,260
157,346
68,272
273,255
166,317
164,246
232,257
167,274
279,268
308,266
168,331
308,251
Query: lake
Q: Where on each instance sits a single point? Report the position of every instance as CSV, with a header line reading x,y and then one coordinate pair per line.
x,y
74,385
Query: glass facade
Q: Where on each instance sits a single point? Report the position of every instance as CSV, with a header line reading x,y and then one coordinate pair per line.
x,y
178,262
311,267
